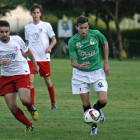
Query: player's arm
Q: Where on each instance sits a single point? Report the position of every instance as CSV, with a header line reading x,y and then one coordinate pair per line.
x,y
30,55
23,53
52,44
106,62
5,62
27,42
84,65
73,54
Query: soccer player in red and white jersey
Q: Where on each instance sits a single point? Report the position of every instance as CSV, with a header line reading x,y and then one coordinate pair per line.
x,y
37,36
15,74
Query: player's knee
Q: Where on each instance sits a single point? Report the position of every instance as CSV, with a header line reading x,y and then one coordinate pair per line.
x,y
13,108
48,82
103,101
26,101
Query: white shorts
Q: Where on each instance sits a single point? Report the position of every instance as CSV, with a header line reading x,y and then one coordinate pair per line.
x,y
81,81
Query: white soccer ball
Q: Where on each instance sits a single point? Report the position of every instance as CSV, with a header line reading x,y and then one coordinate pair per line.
x,y
91,116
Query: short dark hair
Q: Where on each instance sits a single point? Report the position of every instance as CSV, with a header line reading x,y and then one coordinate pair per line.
x,y
81,20
36,6
4,23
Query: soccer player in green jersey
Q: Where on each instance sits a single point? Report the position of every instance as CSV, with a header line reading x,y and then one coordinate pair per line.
x,y
85,55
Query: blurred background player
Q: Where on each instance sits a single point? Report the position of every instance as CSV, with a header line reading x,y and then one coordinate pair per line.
x,y
15,74
37,36
85,55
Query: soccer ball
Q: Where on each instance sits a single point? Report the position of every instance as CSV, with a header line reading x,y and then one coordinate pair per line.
x,y
91,116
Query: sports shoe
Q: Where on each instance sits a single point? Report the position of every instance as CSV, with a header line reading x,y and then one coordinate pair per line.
x,y
34,113
102,120
29,128
94,130
54,107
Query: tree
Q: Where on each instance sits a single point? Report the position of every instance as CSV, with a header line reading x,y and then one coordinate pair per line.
x,y
60,7
7,5
107,10
117,10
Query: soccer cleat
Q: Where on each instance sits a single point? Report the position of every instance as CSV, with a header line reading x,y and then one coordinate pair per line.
x,y
102,120
54,107
34,113
94,130
29,128
102,117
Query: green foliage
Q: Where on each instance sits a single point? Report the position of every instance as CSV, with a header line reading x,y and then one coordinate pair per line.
x,y
66,123
130,37
6,6
131,42
61,7
28,3
131,34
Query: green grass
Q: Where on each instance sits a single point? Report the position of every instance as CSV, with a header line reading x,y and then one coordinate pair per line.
x,y
66,123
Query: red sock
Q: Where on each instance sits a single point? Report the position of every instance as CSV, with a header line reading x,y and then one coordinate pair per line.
x,y
32,95
29,107
52,94
19,115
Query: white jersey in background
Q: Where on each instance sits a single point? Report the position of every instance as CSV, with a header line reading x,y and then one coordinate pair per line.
x,y
38,39
12,51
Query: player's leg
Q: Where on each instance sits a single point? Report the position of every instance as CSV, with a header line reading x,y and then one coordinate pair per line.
x,y
101,88
86,106
101,103
17,112
51,92
46,74
24,94
8,90
102,95
11,102
85,101
31,77
83,89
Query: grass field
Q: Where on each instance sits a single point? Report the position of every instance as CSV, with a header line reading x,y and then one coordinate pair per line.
x,y
66,123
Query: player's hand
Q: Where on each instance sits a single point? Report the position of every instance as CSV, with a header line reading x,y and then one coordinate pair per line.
x,y
48,50
106,68
24,54
85,65
5,62
36,69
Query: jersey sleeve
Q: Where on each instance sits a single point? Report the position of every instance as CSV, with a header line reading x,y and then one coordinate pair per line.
x,y
72,51
50,31
101,38
23,46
